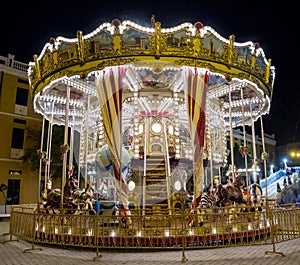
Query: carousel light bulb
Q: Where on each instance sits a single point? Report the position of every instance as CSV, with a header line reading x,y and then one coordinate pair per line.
x,y
131,185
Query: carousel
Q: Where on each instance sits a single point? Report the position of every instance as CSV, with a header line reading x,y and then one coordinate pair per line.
x,y
151,109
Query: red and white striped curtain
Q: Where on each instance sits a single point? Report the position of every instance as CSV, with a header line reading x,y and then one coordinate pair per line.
x,y
196,82
110,91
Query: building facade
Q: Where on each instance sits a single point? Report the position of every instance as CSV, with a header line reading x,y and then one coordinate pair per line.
x,y
16,116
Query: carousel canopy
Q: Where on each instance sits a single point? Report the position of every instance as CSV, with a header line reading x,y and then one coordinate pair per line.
x,y
240,84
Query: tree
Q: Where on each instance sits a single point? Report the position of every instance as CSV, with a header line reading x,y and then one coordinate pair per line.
x,y
31,154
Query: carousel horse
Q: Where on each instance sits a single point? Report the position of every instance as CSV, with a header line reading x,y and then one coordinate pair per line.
x,y
51,198
255,196
124,217
85,198
230,193
70,186
205,200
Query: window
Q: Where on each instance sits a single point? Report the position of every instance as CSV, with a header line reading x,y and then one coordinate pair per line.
x,y
19,121
22,96
23,81
17,141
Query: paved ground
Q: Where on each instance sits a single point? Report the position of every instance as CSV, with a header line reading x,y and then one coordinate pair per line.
x,y
15,253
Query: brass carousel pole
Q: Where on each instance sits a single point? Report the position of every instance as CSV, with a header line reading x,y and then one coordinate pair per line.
x,y
245,140
64,148
211,155
264,158
48,148
70,168
50,142
87,131
254,166
40,164
231,137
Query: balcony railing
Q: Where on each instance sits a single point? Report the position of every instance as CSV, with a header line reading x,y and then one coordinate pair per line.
x,y
10,61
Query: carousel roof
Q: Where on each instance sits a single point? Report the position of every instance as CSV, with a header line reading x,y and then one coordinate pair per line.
x,y
240,81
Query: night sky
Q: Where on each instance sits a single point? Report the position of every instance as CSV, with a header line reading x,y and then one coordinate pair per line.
x,y
27,26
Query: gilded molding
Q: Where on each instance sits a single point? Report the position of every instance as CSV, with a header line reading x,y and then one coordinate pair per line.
x,y
127,42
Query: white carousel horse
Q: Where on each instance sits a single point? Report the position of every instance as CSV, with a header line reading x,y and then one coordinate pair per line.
x,y
203,202
255,195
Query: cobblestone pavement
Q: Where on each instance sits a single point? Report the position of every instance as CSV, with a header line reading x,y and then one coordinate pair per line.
x,y
18,252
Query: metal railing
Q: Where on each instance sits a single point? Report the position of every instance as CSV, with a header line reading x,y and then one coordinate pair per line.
x,y
10,61
215,227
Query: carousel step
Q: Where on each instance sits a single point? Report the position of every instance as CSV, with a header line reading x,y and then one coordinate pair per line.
x,y
152,183
156,168
155,177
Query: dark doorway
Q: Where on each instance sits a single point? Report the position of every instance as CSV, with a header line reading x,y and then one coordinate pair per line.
x,y
13,192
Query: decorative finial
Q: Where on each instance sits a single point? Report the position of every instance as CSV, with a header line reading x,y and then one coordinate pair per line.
x,y
153,21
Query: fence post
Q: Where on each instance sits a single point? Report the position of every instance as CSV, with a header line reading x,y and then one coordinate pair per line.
x,y
33,233
96,219
183,259
272,232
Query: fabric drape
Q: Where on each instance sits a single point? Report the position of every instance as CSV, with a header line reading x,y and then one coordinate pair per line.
x,y
196,82
110,91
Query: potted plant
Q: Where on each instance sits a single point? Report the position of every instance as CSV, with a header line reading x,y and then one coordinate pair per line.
x,y
64,149
264,156
41,154
243,150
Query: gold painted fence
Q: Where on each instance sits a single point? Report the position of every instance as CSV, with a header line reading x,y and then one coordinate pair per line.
x,y
181,229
